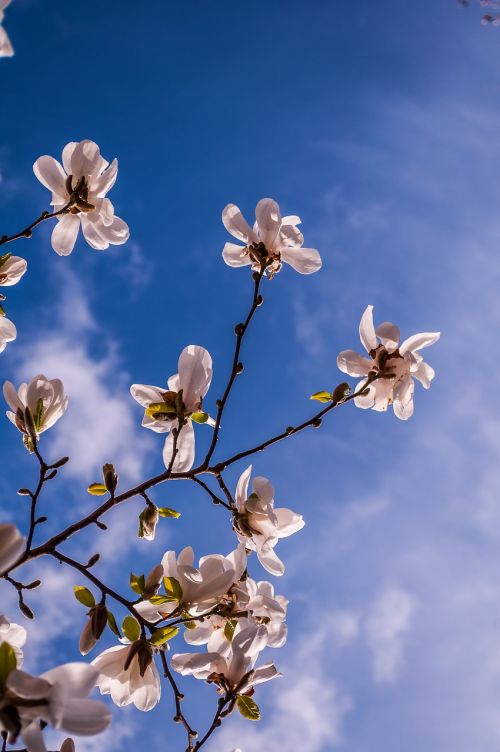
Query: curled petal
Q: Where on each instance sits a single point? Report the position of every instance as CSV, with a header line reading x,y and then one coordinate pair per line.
x,y
418,341
367,330
303,260
235,223
234,255
389,335
352,363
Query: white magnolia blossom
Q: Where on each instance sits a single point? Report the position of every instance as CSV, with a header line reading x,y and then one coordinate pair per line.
x,y
11,546
14,635
12,269
262,606
274,240
8,332
201,588
62,693
45,399
6,49
179,401
397,364
81,183
127,685
258,525
233,670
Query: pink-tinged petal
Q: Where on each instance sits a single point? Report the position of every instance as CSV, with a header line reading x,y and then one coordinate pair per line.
x,y
106,180
367,330
11,546
418,341
234,255
235,223
389,335
65,233
271,562
67,154
195,663
85,717
424,373
288,522
11,396
33,738
242,487
403,399
85,159
117,233
264,674
195,375
147,696
184,458
365,401
352,363
93,234
268,216
8,332
290,235
146,395
78,679
27,686
13,270
303,260
51,174
263,488
6,49
383,394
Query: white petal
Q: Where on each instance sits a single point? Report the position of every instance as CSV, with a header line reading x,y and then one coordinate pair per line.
x,y
365,401
389,335
271,562
106,180
67,153
235,223
418,341
303,260
85,717
242,487
85,159
147,395
65,233
78,679
354,364
184,458
33,738
6,49
268,216
234,255
424,373
367,330
288,522
51,174
195,375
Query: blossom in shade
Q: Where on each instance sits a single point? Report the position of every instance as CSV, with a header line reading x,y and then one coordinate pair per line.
x,y
58,697
126,680
233,671
15,636
6,49
45,399
394,365
272,241
195,590
258,524
81,184
12,269
11,546
174,408
8,332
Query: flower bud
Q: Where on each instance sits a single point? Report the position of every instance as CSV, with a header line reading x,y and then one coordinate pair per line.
x,y
148,520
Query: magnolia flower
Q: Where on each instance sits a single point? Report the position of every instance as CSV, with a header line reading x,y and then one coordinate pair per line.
x,y
58,697
234,671
45,400
258,525
273,240
11,546
195,591
81,186
133,684
8,332
6,49
257,600
12,268
15,636
178,405
396,365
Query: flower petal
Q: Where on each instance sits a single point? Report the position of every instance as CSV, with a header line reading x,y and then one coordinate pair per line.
x,y
418,341
65,233
352,363
51,174
303,260
195,375
234,255
184,458
389,335
367,330
236,224
268,216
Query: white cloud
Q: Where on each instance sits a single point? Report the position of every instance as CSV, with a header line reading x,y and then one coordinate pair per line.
x,y
386,627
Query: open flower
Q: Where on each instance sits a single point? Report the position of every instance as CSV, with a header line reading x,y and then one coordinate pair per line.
x,y
175,408
395,365
81,186
12,269
134,684
15,636
6,49
8,332
58,697
44,398
274,240
235,670
11,546
195,590
258,525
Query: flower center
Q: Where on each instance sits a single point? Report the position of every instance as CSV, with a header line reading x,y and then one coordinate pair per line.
x,y
389,365
78,195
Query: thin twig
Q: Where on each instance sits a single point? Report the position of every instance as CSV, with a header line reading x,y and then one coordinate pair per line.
x,y
27,232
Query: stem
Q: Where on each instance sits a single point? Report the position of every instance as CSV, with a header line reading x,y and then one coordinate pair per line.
x,y
222,702
27,232
178,697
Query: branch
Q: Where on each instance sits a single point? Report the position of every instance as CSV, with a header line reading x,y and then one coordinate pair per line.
x,y
179,716
217,721
28,231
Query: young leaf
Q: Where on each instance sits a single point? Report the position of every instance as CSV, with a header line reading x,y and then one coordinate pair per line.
x,y
113,625
167,512
160,636
84,596
172,588
321,397
131,628
97,489
199,417
7,663
248,708
158,600
229,629
137,583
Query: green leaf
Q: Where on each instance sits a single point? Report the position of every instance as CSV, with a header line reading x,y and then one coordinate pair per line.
x,y
159,409
172,588
38,416
8,663
97,489
160,636
158,600
167,512
113,625
131,628
84,596
321,397
229,629
199,417
137,583
248,708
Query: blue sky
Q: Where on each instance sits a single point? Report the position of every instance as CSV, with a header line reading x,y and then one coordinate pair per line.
x,y
378,124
